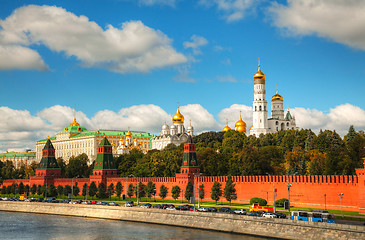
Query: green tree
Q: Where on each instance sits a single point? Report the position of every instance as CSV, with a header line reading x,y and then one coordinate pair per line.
x,y
77,166
163,192
67,190
3,190
52,191
130,191
230,190
33,189
119,189
61,163
201,192
150,189
216,192
111,189
175,191
92,189
27,189
189,191
21,188
76,190
84,189
102,191
60,190
140,190
39,190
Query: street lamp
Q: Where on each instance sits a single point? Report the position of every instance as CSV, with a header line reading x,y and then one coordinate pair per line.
x,y
137,186
325,207
72,188
154,195
341,196
289,186
196,174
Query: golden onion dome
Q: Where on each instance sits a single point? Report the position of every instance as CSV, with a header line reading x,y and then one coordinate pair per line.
x,y
251,127
74,123
259,76
129,134
226,128
277,97
240,125
178,117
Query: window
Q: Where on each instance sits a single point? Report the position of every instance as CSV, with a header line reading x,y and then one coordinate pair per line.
x,y
260,108
276,123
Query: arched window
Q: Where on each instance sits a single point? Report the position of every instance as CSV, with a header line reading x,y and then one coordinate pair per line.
x,y
255,108
287,124
277,123
260,108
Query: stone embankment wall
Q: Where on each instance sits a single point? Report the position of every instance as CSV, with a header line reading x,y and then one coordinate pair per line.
x,y
276,228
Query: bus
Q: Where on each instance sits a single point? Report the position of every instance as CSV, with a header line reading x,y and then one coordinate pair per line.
x,y
314,216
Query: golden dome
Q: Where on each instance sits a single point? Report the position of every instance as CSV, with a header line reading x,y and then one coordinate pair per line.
x,y
226,128
251,127
277,97
74,123
178,117
259,76
129,134
240,125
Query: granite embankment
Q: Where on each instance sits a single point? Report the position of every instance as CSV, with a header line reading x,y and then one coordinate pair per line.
x,y
276,228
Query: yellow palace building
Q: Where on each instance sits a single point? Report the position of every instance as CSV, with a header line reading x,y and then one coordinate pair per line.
x,y
74,140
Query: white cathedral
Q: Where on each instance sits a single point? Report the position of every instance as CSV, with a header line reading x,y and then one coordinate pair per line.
x,y
277,122
175,134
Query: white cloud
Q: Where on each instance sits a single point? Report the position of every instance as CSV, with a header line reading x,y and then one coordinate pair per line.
x,y
233,10
339,118
170,3
232,114
19,129
196,43
132,48
22,58
340,20
183,74
227,78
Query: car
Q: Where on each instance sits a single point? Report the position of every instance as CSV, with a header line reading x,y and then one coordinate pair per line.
x,y
146,205
129,204
260,213
239,211
212,209
39,200
171,208
94,202
65,201
269,215
113,204
181,208
280,215
202,209
158,206
79,201
225,210
254,214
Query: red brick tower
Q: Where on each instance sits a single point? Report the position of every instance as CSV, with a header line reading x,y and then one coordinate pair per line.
x,y
361,188
189,167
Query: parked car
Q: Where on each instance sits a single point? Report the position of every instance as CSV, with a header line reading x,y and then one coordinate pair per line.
x,y
146,205
212,209
129,204
254,214
65,201
158,206
171,208
269,215
260,213
202,209
113,204
181,208
280,215
239,211
94,202
225,210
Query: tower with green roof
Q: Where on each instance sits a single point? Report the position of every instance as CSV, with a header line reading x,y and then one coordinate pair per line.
x,y
48,168
189,168
104,164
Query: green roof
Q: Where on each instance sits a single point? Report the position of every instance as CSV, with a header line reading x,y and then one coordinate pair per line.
x,y
17,154
74,129
104,142
106,133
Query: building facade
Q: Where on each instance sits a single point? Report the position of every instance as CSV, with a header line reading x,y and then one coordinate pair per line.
x,y
176,134
74,140
19,158
261,123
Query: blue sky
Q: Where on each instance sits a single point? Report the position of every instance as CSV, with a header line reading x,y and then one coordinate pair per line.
x,y
127,63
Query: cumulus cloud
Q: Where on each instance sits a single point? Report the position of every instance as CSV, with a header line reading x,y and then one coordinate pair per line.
x,y
19,129
132,48
342,21
232,10
232,115
339,118
196,43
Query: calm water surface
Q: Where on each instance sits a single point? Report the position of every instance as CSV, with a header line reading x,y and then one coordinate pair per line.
x,y
37,226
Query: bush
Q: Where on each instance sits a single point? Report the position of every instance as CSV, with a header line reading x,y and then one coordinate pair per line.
x,y
280,202
260,201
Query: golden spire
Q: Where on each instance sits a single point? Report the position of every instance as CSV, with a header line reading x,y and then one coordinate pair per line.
x,y
74,123
178,117
277,97
259,76
259,65
240,125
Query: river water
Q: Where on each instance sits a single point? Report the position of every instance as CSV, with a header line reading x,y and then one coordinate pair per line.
x,y
37,226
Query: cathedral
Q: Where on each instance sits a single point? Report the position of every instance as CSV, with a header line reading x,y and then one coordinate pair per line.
x,y
261,123
175,134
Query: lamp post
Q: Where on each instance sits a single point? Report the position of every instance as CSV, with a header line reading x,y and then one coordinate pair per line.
x,y
274,193
182,195
325,207
341,196
289,186
154,195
